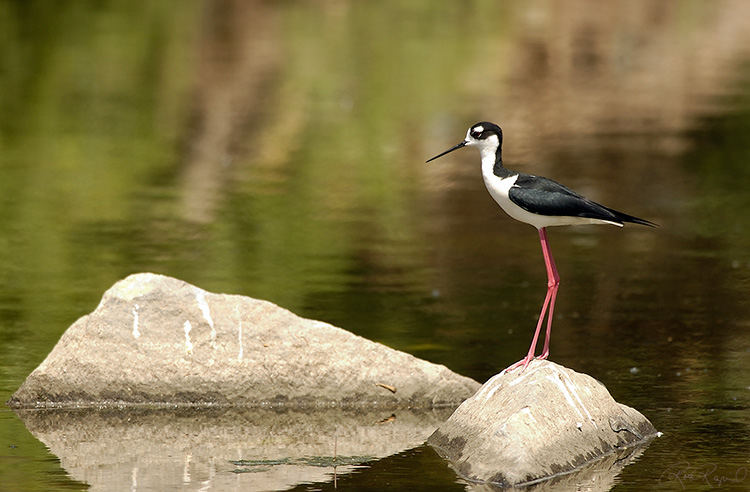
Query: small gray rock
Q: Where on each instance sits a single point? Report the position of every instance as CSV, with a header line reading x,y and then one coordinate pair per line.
x,y
526,427
158,340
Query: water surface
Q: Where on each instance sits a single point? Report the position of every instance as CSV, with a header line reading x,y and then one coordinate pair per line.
x,y
276,149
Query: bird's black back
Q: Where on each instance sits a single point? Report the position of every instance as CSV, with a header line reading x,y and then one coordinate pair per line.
x,y
543,196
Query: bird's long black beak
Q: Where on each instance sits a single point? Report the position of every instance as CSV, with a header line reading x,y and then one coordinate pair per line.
x,y
448,151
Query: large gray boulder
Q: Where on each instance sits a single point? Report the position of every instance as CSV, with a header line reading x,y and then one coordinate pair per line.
x,y
158,340
547,421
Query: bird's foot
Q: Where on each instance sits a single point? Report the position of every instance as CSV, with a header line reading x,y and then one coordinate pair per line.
x,y
523,363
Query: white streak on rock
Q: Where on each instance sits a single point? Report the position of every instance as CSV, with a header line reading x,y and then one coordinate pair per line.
x,y
527,411
489,388
200,296
188,343
186,468
572,387
136,330
564,390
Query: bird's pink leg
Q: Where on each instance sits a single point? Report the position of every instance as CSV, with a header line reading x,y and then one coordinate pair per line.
x,y
553,282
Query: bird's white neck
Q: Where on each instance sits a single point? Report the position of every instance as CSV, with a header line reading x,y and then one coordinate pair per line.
x,y
488,160
488,151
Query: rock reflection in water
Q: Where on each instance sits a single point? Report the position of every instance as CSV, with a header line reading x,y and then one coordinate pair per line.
x,y
185,449
599,476
257,449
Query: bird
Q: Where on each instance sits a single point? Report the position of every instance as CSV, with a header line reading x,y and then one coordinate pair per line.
x,y
540,202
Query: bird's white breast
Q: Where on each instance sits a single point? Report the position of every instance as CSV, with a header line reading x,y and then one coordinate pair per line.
x,y
499,189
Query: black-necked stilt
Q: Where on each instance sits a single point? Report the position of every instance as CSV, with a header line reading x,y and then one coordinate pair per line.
x,y
540,202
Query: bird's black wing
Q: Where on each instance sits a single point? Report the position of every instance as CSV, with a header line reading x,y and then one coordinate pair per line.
x,y
542,196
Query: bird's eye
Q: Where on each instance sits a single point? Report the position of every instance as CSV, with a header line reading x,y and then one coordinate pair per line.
x,y
476,133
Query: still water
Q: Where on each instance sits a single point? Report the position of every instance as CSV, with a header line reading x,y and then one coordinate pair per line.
x,y
276,150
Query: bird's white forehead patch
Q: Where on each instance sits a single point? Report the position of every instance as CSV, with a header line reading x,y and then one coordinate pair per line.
x,y
473,131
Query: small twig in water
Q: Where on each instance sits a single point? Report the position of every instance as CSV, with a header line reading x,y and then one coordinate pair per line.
x,y
390,388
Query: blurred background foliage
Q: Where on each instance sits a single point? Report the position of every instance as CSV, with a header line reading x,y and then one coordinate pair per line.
x,y
276,149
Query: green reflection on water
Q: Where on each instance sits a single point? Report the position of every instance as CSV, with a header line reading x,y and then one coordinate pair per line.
x,y
282,157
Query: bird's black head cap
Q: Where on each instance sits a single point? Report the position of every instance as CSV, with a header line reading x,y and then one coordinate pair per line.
x,y
483,129
488,137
